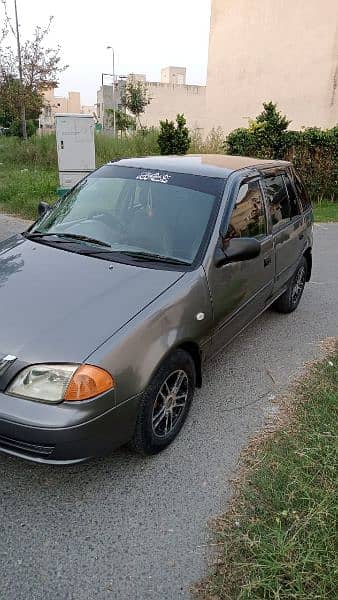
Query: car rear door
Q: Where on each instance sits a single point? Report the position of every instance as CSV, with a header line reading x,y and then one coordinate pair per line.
x,y
240,290
286,223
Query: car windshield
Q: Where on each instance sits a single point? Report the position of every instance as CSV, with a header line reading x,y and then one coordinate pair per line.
x,y
137,211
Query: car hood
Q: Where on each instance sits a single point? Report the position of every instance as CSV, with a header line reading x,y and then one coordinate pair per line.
x,y
60,306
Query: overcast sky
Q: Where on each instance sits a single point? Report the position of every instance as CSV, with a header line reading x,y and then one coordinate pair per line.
x,y
146,35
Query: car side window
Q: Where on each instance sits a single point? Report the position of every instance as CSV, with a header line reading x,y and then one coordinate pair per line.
x,y
248,216
278,200
294,204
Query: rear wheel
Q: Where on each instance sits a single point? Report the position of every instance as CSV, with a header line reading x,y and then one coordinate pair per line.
x,y
165,404
289,301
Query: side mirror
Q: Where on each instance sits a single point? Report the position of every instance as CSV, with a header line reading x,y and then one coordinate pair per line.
x,y
237,249
43,208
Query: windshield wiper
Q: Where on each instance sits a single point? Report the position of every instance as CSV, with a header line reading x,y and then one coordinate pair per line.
x,y
70,236
145,256
150,256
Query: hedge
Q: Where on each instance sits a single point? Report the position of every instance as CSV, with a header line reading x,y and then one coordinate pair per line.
x,y
313,151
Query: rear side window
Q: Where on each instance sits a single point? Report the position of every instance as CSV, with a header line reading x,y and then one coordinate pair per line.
x,y
294,204
248,216
301,191
278,200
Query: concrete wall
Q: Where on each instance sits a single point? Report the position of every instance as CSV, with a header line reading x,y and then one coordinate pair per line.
x,y
280,50
169,99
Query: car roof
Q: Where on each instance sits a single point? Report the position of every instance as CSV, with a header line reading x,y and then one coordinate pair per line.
x,y
208,165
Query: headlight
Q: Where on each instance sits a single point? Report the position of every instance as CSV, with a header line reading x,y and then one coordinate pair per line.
x,y
54,383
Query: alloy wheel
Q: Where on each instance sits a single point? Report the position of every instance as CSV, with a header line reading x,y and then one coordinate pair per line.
x,y
298,286
170,403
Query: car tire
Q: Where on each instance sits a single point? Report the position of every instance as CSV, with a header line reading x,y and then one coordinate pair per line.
x,y
161,416
290,299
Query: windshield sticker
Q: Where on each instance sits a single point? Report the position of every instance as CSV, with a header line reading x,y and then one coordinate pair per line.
x,y
157,176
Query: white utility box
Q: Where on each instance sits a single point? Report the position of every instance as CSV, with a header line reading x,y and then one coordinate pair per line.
x,y
75,147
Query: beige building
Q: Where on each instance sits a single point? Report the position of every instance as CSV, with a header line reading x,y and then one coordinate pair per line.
x,y
60,104
280,50
173,75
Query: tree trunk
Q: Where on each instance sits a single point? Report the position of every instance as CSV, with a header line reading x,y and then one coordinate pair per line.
x,y
23,120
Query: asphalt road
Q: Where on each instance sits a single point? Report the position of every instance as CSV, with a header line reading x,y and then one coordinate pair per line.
x,y
125,527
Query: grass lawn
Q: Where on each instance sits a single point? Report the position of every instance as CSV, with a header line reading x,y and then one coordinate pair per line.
x,y
326,211
278,538
22,189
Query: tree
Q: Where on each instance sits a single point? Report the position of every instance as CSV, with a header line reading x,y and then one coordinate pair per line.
x,y
269,129
166,138
135,98
10,104
182,138
174,139
122,120
22,85
266,136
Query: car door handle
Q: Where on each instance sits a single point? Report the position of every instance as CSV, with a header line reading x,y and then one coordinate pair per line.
x,y
267,261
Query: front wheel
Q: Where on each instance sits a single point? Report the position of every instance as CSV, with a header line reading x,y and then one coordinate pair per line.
x,y
289,301
165,404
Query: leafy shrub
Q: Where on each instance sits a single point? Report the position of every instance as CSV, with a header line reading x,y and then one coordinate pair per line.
x,y
123,122
174,139
212,144
313,151
15,127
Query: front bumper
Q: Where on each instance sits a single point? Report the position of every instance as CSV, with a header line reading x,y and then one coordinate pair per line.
x,y
69,443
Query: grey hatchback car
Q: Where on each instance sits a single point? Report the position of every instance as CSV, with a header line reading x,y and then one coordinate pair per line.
x,y
114,299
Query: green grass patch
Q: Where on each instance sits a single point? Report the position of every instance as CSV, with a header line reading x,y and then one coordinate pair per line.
x,y
36,152
325,212
278,539
22,189
108,148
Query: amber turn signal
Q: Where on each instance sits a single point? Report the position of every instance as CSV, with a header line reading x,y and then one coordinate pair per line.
x,y
87,382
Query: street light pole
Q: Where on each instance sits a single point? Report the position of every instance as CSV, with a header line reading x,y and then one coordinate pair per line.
x,y
23,109
114,107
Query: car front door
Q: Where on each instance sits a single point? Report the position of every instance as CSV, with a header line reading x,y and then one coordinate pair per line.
x,y
287,224
240,290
